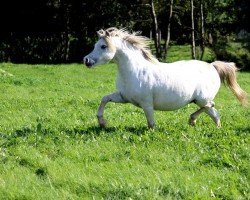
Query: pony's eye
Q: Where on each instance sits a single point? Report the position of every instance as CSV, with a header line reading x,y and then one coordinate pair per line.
x,y
104,46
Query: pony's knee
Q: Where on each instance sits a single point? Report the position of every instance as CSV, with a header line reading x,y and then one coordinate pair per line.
x,y
204,103
106,99
210,104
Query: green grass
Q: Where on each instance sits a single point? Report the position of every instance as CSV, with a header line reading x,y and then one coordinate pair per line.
x,y
231,51
175,55
183,52
52,148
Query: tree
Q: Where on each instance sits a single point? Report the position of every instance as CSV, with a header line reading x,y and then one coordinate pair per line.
x,y
168,29
55,31
193,37
202,22
156,30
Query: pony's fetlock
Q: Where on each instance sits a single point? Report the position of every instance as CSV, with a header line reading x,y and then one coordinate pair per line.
x,y
192,121
102,122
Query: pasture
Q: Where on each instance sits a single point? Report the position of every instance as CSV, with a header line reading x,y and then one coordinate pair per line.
x,y
52,148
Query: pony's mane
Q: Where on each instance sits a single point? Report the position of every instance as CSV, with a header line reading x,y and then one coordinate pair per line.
x,y
134,38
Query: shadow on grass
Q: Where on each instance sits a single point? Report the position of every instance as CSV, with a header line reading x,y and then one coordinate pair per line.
x,y
92,130
244,129
39,134
137,130
96,130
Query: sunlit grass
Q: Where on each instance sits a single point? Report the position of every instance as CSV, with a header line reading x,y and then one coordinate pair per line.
x,y
52,148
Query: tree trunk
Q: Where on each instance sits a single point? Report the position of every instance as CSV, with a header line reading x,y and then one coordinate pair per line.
x,y
156,30
168,30
65,14
202,30
193,37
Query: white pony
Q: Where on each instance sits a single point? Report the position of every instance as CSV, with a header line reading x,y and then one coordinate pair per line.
x,y
147,83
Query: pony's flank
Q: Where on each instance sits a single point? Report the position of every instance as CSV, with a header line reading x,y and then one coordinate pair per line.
x,y
134,38
227,72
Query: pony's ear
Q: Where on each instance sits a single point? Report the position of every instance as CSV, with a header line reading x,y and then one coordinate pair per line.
x,y
101,33
107,33
112,31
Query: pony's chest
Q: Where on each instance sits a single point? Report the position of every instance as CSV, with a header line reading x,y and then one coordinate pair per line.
x,y
130,87
134,90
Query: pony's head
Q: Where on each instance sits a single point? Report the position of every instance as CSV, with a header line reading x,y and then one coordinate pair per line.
x,y
107,46
104,50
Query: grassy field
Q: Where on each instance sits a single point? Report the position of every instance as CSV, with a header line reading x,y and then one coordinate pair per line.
x,y
52,148
183,52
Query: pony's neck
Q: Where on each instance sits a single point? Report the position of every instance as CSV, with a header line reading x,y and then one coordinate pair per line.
x,y
128,57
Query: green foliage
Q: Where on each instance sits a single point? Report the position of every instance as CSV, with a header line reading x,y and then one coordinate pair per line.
x,y
230,52
46,31
51,147
234,52
182,52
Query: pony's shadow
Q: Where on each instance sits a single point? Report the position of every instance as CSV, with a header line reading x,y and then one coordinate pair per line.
x,y
136,130
96,130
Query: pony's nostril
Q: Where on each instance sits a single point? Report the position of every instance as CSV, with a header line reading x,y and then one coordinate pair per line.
x,y
85,60
88,62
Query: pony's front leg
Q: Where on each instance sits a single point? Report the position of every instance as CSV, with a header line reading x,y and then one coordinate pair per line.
x,y
149,112
114,97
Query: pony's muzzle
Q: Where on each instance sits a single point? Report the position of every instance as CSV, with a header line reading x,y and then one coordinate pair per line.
x,y
88,61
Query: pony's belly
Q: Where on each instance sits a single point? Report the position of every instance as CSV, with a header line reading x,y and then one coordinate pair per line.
x,y
165,101
169,105
172,99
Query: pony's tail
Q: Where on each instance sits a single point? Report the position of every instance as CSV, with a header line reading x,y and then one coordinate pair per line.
x,y
227,73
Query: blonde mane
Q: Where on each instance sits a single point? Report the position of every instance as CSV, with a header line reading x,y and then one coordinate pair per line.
x,y
135,39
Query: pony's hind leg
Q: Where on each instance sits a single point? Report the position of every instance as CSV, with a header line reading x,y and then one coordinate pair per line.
x,y
213,113
193,116
210,110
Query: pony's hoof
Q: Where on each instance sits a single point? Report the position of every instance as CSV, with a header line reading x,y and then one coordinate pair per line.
x,y
192,122
218,124
102,123
151,127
